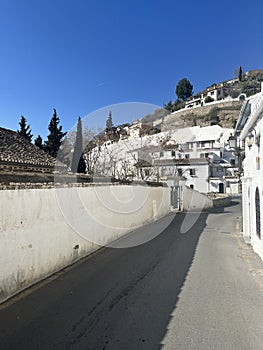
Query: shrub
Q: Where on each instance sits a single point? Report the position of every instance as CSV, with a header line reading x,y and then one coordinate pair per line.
x,y
208,99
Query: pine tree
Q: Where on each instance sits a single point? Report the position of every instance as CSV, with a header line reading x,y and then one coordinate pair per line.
x,y
25,130
184,89
39,142
78,164
55,136
109,123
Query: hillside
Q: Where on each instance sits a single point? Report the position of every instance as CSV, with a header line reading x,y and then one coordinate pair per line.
x,y
224,114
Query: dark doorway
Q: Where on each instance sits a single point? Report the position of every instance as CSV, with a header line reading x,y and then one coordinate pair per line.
x,y
221,187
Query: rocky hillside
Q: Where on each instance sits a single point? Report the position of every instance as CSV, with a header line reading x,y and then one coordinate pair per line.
x,y
224,114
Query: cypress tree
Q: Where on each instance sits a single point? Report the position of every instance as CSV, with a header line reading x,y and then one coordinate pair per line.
x,y
109,123
39,142
25,130
55,136
78,164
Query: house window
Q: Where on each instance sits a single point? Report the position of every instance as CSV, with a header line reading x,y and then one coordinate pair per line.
x,y
257,203
192,186
192,172
173,153
232,161
187,155
161,154
180,172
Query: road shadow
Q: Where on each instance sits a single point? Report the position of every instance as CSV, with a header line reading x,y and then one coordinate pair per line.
x,y
116,299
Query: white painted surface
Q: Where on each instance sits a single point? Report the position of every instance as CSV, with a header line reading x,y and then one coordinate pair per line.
x,y
253,173
193,200
38,239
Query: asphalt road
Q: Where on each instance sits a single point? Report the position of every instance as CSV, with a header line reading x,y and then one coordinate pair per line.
x,y
178,291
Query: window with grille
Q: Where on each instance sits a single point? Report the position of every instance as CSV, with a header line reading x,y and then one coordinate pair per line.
x,y
257,202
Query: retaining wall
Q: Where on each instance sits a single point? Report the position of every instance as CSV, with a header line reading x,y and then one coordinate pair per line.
x,y
44,230
194,200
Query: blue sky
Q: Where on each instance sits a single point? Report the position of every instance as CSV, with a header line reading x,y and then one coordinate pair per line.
x,y
82,55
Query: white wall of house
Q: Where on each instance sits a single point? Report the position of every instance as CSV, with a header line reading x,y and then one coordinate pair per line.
x,y
252,181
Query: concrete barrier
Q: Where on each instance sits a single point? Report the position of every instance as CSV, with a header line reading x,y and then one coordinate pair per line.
x,y
44,230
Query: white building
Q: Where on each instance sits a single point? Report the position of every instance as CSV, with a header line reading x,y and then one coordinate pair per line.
x,y
197,155
216,92
200,156
249,130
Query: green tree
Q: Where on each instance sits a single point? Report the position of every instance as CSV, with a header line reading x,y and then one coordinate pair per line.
x,y
39,142
55,136
169,106
240,74
78,163
109,122
184,89
25,129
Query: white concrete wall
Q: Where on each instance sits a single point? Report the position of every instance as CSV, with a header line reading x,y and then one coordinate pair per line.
x,y
194,200
44,230
253,175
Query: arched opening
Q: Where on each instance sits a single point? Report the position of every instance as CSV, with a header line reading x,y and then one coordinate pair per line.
x,y
257,204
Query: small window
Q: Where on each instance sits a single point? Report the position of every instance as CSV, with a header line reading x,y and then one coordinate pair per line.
x,y
232,161
173,153
187,156
180,172
192,172
161,154
192,186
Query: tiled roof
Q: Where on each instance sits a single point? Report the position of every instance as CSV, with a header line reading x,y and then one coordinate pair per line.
x,y
15,149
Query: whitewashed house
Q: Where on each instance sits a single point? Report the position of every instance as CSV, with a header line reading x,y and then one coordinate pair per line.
x,y
199,156
216,92
249,130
